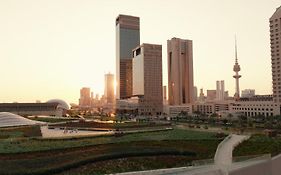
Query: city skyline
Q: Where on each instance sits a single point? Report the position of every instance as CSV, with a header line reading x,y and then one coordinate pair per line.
x,y
60,49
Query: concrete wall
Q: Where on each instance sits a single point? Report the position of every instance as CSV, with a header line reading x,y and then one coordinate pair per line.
x,y
261,168
276,165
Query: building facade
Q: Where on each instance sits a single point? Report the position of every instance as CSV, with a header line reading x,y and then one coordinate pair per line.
x,y
246,93
211,95
220,90
127,38
85,97
147,78
180,71
275,45
109,88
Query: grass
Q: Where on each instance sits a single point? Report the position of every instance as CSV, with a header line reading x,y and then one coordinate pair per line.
x,y
19,145
130,164
32,156
51,120
257,145
18,132
50,162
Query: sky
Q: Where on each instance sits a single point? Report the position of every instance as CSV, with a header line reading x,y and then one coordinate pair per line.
x,y
52,48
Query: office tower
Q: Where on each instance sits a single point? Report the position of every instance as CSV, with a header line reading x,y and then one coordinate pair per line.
x,y
127,38
275,45
109,88
220,94
195,92
236,69
85,98
147,78
180,71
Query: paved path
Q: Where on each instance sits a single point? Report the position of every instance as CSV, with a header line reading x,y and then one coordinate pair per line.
x,y
223,156
61,133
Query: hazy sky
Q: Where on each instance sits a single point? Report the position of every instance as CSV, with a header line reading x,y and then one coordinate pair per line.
x,y
52,48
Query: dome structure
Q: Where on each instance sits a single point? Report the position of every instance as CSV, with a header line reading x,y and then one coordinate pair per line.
x,y
62,104
9,119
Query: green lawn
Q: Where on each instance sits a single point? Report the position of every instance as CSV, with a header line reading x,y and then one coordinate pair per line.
x,y
130,164
17,145
20,155
257,145
51,120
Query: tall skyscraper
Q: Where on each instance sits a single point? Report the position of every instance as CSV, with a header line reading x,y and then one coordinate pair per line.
x,y
275,45
236,69
85,97
147,78
127,38
180,71
220,94
109,88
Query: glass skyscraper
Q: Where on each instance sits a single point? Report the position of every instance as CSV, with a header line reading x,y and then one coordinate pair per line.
x,y
127,38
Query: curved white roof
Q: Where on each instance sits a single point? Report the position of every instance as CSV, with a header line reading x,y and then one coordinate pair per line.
x,y
8,119
62,104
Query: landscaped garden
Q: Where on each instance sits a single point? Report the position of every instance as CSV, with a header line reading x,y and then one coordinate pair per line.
x,y
171,148
258,145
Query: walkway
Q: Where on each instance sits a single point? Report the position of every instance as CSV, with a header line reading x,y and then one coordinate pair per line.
x,y
223,156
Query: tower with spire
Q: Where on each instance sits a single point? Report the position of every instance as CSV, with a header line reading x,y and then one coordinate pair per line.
x,y
236,69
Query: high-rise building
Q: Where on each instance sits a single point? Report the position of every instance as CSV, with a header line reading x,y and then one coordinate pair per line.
x,y
236,69
220,94
147,78
85,97
275,45
180,71
109,88
195,92
127,38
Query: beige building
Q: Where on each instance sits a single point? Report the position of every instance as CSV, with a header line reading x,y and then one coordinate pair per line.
x,y
211,95
147,78
127,38
275,42
109,88
85,97
180,71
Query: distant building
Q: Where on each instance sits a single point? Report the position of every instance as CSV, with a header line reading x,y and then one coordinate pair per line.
x,y
109,88
220,91
147,78
53,107
195,93
180,71
201,95
85,98
246,93
211,95
127,38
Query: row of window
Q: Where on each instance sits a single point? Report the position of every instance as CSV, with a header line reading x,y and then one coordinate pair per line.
x,y
259,109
